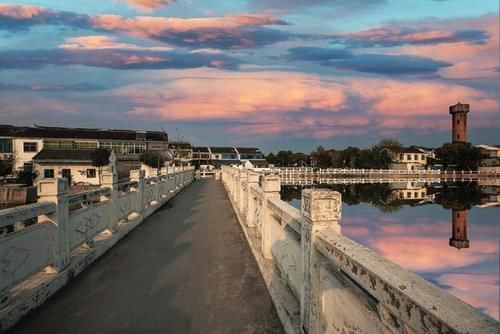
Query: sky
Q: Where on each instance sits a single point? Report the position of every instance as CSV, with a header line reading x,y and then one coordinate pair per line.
x,y
276,74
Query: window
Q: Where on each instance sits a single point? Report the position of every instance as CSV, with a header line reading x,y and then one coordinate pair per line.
x,y
423,157
91,173
422,194
401,157
48,173
30,147
458,136
85,145
458,121
408,195
5,145
415,195
408,157
415,156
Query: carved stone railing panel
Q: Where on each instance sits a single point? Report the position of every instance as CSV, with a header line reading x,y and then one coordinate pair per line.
x,y
88,196
125,205
87,223
26,252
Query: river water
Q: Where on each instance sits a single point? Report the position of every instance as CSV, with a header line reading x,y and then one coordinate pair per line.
x,y
447,233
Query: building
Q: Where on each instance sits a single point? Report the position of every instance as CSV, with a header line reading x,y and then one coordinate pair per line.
x,y
23,143
459,229
182,153
409,159
459,122
408,191
201,156
223,156
252,155
74,165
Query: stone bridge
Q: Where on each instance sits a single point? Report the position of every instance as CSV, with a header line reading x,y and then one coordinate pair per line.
x,y
168,254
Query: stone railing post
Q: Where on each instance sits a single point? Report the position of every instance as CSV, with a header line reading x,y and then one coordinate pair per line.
x,y
252,180
110,180
138,176
243,192
271,187
56,191
321,209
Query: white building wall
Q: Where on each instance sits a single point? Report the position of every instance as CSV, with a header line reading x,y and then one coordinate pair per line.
x,y
21,157
78,172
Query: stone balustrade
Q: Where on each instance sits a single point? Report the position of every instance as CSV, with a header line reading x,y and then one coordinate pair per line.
x,y
44,245
323,282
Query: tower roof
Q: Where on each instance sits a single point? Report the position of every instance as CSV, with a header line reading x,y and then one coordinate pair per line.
x,y
459,108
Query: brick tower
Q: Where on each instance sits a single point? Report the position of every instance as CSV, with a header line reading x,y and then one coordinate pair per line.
x,y
459,122
459,233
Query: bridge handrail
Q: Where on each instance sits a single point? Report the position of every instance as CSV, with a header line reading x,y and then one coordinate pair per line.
x,y
62,242
319,278
13,215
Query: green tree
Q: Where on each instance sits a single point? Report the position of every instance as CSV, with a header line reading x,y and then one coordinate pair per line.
x,y
459,156
100,158
153,159
6,166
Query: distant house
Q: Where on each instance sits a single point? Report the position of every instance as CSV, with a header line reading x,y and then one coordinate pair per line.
x,y
24,142
409,158
182,153
252,155
74,165
490,162
225,155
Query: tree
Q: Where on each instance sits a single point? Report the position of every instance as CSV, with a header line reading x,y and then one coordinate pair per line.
x,y
6,166
100,158
321,157
153,159
459,156
27,175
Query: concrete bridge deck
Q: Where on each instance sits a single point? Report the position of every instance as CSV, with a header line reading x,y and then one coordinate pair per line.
x,y
187,269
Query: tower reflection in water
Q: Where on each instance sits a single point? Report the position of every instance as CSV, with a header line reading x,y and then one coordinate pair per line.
x,y
459,229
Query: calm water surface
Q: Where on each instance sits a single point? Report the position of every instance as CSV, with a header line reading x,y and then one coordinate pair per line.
x,y
446,233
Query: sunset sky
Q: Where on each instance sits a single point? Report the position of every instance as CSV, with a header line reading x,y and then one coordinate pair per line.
x,y
277,74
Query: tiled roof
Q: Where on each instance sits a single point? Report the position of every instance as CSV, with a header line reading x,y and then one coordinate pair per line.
x,y
248,150
80,133
222,149
63,155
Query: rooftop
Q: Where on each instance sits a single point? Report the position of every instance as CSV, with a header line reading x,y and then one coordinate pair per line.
x,y
38,131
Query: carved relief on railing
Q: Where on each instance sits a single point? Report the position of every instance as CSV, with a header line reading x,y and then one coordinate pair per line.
x,y
87,223
125,206
26,252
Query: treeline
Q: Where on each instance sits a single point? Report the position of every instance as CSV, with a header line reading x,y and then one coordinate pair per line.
x,y
459,156
378,156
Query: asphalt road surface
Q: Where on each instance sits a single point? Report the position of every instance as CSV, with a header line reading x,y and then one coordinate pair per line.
x,y
187,269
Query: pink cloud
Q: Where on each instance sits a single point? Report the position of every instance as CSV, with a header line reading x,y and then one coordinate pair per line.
x,y
479,290
148,5
100,42
18,11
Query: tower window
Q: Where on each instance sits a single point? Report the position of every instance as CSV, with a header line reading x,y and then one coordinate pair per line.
x,y
458,121
458,136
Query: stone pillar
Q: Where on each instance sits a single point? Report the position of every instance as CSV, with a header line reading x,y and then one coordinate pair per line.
x,y
110,180
56,191
271,187
243,192
321,210
252,179
138,176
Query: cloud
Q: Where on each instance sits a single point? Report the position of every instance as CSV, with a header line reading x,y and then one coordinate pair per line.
x,y
227,32
148,5
392,65
124,59
318,53
300,105
20,17
81,87
104,42
394,35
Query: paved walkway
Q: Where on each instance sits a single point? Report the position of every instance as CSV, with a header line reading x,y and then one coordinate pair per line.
x,y
187,269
